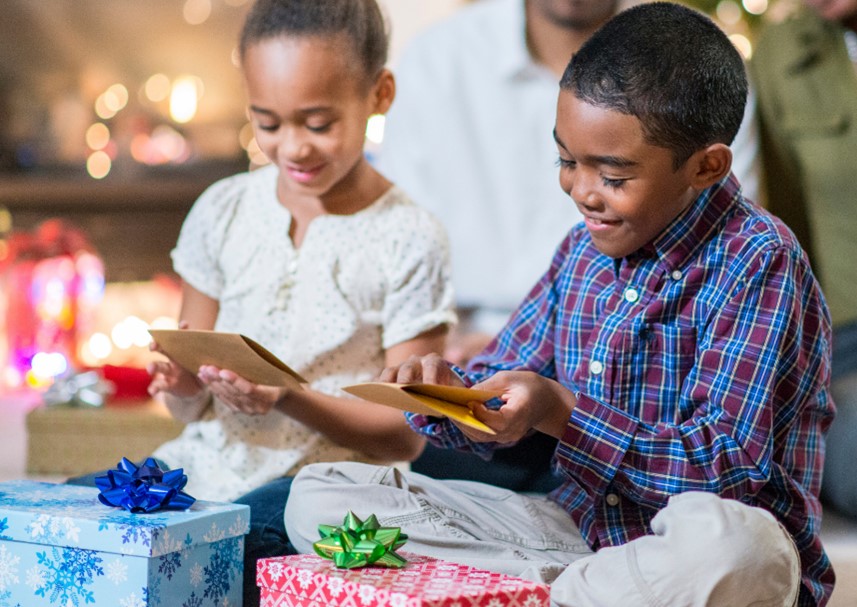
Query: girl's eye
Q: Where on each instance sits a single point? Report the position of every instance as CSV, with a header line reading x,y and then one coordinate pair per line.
x,y
268,127
564,163
319,128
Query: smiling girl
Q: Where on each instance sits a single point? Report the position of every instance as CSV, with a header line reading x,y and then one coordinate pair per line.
x,y
317,256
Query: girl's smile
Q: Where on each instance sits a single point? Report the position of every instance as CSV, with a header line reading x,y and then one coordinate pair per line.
x,y
309,104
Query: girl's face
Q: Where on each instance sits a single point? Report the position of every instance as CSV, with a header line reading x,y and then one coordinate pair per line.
x,y
835,10
309,103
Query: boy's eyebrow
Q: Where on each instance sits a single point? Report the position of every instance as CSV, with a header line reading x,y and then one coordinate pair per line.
x,y
613,161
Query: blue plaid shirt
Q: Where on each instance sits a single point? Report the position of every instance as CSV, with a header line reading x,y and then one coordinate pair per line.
x,y
700,362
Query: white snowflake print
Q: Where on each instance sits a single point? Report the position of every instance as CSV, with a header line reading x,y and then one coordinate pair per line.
x,y
304,578
335,585
532,601
238,527
367,594
67,528
215,534
35,578
398,599
275,570
168,544
196,575
495,603
8,568
38,526
116,571
132,601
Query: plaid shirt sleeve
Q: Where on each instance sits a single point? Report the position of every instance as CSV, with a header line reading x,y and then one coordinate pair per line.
x,y
525,343
765,345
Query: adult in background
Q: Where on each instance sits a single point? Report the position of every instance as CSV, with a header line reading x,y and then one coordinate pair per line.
x,y
805,73
470,139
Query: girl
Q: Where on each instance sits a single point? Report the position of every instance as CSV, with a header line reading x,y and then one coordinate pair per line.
x,y
317,256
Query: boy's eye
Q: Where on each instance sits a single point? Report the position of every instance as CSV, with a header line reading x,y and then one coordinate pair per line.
x,y
268,127
564,163
319,128
613,183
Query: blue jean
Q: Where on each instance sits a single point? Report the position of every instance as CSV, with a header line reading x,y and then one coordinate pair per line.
x,y
267,536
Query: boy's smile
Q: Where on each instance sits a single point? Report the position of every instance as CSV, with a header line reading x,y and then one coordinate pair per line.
x,y
627,189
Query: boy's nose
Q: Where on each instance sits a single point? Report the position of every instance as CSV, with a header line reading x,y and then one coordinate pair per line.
x,y
584,192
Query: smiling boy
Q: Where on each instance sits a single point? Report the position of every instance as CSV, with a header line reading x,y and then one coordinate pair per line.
x,y
677,349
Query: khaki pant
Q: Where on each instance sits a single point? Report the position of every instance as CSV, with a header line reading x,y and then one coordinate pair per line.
x,y
704,550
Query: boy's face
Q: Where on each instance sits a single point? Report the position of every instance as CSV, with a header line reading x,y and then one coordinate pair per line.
x,y
626,188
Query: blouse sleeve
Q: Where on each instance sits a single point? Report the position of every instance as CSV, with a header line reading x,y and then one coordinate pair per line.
x,y
196,254
420,295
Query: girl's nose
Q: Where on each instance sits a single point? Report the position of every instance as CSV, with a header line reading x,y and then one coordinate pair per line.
x,y
294,148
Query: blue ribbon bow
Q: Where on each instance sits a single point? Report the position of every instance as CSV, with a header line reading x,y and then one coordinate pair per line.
x,y
144,489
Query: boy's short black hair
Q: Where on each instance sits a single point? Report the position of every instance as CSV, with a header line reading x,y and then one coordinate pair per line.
x,y
361,21
670,67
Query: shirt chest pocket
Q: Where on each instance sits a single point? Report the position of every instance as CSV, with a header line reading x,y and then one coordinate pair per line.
x,y
650,369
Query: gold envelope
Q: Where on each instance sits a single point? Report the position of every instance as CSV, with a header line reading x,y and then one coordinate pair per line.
x,y
193,348
427,399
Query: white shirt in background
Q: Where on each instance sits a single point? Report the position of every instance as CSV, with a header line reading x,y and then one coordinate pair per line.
x,y
469,137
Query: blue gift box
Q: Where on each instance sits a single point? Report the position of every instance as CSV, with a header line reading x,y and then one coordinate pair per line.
x,y
60,546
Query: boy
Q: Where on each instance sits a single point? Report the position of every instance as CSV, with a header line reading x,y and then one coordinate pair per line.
x,y
677,348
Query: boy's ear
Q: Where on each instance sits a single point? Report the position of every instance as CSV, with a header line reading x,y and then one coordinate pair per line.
x,y
710,165
384,91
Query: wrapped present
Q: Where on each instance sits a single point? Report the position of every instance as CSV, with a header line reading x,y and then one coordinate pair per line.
x,y
53,282
67,440
59,545
312,581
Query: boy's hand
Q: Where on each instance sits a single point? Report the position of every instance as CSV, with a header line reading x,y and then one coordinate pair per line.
x,y
428,369
530,401
239,394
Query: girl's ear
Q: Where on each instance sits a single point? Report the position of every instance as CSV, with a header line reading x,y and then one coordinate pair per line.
x,y
383,92
710,165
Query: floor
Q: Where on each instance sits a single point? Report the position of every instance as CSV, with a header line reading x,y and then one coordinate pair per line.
x,y
838,534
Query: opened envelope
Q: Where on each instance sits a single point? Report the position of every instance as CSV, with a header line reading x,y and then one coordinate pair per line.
x,y
193,348
427,399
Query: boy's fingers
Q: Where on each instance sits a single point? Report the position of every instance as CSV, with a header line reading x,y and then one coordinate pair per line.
x,y
410,371
435,370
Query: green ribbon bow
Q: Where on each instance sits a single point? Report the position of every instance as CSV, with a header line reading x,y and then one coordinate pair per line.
x,y
358,544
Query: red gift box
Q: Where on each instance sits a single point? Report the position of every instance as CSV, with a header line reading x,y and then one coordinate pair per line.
x,y
307,580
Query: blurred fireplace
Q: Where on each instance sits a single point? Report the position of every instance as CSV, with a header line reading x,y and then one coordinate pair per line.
x,y
133,224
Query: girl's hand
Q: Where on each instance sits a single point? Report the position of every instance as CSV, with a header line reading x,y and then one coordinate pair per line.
x,y
428,369
239,394
530,401
170,378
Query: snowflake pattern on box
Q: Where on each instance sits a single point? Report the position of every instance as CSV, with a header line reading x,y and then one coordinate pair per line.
x,y
60,546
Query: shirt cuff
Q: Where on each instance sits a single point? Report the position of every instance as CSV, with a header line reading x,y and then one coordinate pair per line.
x,y
595,442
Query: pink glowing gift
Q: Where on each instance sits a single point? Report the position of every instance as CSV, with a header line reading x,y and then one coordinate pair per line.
x,y
53,281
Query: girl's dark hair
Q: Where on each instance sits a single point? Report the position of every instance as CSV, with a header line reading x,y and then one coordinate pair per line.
x,y
360,20
670,67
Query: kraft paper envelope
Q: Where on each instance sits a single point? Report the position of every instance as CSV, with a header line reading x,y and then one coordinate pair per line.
x,y
192,348
427,399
